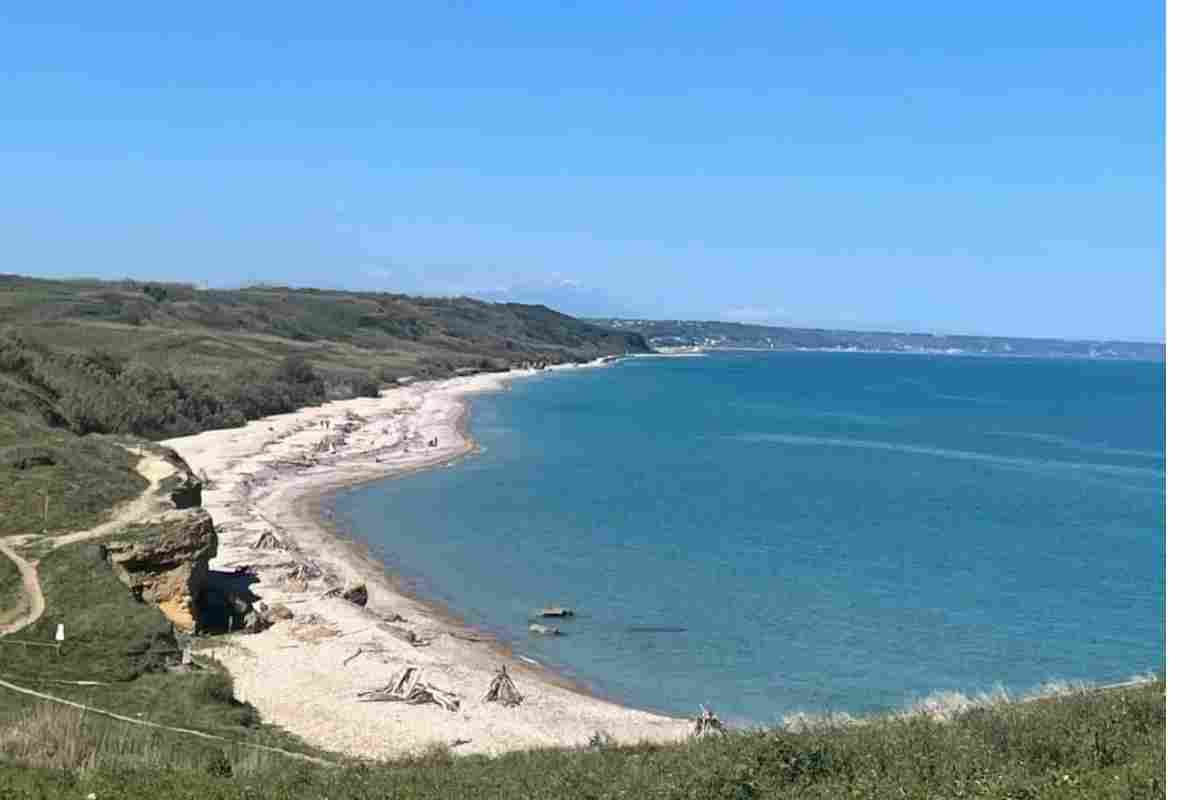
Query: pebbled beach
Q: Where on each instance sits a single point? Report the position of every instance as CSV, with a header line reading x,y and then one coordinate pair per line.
x,y
304,673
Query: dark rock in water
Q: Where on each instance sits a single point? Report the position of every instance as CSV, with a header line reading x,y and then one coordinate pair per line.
x,y
654,629
556,611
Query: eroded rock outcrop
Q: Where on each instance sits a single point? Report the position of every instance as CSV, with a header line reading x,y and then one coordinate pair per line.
x,y
183,488
164,561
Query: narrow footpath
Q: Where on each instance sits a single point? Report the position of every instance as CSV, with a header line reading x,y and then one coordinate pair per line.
x,y
30,609
32,605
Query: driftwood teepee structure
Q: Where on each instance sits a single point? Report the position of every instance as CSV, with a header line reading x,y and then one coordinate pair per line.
x,y
502,690
410,688
269,541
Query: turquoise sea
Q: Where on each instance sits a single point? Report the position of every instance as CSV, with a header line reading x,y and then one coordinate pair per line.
x,y
780,532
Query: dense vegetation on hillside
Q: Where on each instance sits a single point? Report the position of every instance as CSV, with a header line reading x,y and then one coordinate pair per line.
x,y
167,359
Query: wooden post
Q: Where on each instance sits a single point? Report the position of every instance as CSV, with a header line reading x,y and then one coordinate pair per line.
x,y
46,508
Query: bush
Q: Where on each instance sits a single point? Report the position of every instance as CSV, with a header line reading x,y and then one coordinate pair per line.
x,y
99,392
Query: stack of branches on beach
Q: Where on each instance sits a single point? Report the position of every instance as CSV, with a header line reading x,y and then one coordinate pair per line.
x,y
269,541
707,724
297,577
502,690
408,687
306,569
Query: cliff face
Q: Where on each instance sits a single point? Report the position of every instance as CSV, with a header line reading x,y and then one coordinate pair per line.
x,y
164,559
166,562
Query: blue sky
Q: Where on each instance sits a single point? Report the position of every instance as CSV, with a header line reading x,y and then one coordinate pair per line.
x,y
948,166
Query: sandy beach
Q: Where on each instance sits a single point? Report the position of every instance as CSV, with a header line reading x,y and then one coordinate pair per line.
x,y
304,673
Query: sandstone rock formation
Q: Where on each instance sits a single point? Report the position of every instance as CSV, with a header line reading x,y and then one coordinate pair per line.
x,y
165,562
163,558
183,488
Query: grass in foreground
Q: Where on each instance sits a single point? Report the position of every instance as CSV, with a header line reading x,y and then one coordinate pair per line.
x,y
116,640
1096,745
111,636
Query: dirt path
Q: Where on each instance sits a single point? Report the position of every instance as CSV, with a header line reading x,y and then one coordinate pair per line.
x,y
152,468
31,607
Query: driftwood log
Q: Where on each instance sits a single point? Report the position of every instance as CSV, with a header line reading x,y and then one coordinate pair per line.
x,y
370,648
502,690
408,687
707,724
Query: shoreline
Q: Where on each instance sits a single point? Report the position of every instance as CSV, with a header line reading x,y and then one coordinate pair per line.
x,y
275,475
315,505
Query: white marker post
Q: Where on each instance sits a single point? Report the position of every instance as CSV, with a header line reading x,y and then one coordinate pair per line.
x,y
60,634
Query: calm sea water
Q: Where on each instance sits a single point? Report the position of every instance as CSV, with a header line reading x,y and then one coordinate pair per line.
x,y
772,532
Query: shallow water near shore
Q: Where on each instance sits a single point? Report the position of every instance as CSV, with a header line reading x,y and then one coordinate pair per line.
x,y
773,532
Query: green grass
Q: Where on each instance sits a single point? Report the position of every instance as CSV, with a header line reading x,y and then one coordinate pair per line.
x,y
1097,745
10,585
110,635
115,639
88,476
60,738
174,320
164,360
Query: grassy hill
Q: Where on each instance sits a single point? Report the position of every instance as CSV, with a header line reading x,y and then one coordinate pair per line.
x,y
169,359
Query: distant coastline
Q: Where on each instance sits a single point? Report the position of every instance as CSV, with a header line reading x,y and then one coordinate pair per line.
x,y
702,350
714,335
